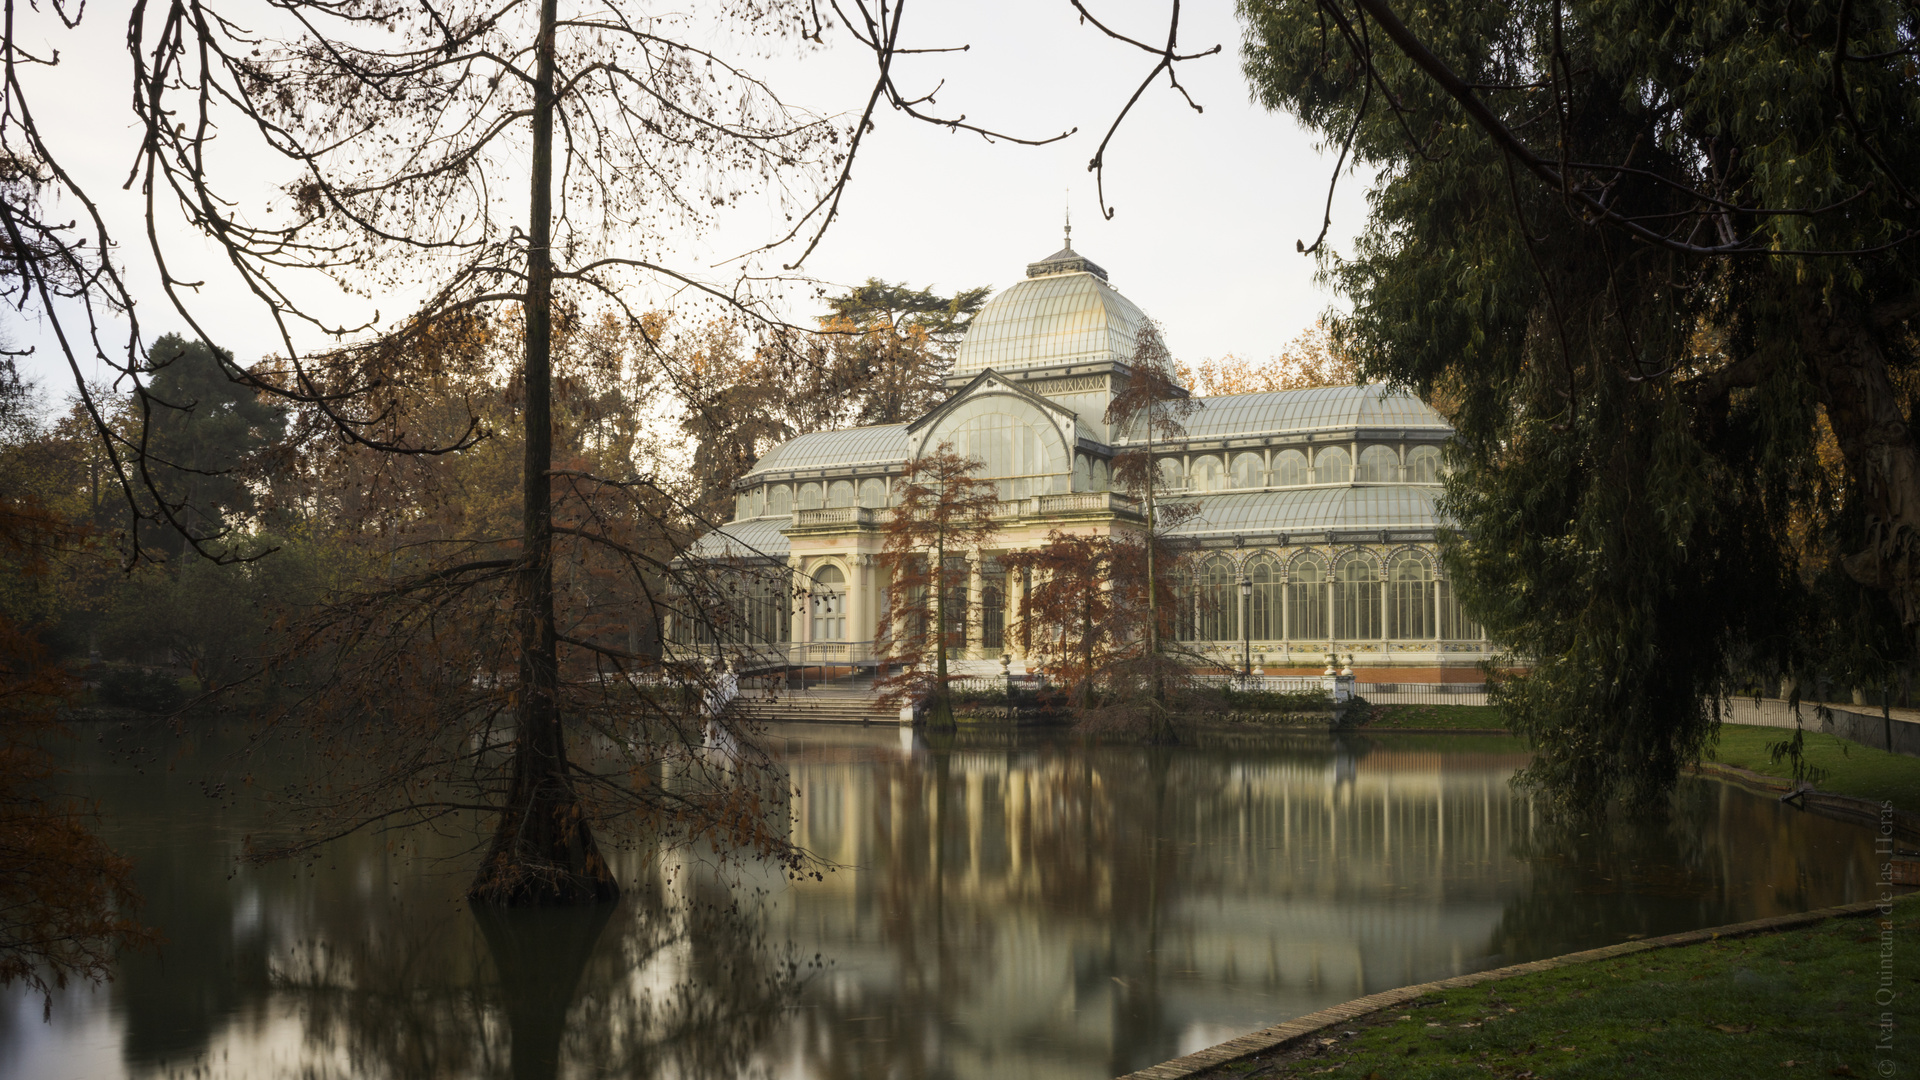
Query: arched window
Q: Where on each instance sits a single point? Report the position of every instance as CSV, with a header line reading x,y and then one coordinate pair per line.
x,y
1099,479
1332,465
1423,465
779,500
1378,465
810,497
840,493
1249,471
1207,473
743,506
993,618
1356,599
873,494
1307,599
829,602
1217,610
1290,469
1082,475
1409,597
1020,453
1263,607
1454,624
1171,477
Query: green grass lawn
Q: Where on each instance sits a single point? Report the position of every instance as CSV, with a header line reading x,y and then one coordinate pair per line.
x,y
1848,768
1436,717
1799,1003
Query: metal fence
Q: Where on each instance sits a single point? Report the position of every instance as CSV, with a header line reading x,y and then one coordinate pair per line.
x,y
1423,693
1377,693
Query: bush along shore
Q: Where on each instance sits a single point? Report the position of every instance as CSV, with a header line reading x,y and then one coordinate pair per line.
x,y
1812,1000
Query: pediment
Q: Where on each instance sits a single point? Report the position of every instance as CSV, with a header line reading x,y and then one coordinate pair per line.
x,y
991,382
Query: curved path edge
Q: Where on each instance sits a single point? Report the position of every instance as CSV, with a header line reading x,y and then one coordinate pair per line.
x,y
1293,1031
1905,824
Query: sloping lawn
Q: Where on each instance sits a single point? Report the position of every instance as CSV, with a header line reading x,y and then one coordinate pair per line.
x,y
1848,768
1799,1003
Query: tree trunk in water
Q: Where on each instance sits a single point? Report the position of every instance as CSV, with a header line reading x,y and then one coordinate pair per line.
x,y
1878,446
542,851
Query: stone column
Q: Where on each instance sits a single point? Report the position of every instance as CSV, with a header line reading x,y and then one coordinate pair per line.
x,y
1286,606
803,620
1016,599
1386,603
975,625
859,618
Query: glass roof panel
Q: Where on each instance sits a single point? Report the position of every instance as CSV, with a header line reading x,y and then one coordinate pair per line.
x,y
880,444
751,539
1309,410
1390,506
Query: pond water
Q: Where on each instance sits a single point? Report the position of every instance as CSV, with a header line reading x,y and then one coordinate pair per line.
x,y
1003,907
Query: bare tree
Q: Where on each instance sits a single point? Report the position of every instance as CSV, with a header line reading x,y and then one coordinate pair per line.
x,y
525,155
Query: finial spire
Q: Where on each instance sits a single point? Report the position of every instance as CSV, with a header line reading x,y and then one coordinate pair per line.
x,y
1069,212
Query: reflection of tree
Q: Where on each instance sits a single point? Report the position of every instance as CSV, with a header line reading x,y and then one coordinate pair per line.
x,y
975,851
1716,856
539,955
664,984
374,956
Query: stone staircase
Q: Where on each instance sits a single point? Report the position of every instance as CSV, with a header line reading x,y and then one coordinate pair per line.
x,y
827,705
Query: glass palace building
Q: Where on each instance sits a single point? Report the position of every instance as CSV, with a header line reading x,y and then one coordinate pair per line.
x,y
1314,532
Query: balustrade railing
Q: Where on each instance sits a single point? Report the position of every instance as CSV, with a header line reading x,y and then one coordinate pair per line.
x,y
833,515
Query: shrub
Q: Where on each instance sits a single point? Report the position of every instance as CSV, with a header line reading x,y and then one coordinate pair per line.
x,y
1275,700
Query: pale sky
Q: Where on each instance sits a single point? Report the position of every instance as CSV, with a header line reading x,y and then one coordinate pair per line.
x,y
1208,205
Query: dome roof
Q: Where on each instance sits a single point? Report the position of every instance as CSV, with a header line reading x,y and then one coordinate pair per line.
x,y
1063,313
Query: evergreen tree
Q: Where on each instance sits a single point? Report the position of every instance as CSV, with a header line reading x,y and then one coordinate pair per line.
x,y
210,437
1644,255
889,347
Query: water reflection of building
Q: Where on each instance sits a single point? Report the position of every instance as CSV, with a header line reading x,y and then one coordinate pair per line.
x,y
1053,912
1137,907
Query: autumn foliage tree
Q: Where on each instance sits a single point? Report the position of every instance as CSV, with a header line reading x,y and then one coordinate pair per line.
x,y
66,900
880,355
1078,615
1312,359
942,509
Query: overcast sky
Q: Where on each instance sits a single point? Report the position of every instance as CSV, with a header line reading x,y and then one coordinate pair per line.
x,y
1208,206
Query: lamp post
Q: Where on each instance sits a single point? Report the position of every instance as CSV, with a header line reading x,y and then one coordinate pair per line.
x,y
1246,631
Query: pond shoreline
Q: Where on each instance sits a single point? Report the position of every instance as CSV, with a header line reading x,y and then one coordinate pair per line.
x,y
1296,1033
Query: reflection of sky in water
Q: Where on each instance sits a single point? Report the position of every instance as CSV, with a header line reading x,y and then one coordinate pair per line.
x,y
999,911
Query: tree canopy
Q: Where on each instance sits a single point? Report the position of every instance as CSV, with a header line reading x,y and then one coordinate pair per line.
x,y
1647,257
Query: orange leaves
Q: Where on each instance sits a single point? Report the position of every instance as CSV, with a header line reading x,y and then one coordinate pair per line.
x,y
1311,359
944,510
65,898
